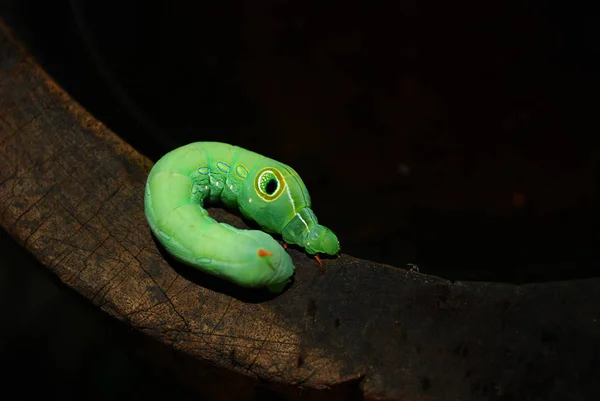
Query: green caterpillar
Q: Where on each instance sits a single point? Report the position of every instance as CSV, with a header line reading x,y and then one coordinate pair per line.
x,y
266,191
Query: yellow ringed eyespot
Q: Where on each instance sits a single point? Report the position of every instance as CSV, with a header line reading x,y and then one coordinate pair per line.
x,y
269,184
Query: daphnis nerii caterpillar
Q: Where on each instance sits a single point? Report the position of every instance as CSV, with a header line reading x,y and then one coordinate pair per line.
x,y
264,190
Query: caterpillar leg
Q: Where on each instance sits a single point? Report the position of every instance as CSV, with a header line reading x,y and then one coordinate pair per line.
x,y
321,267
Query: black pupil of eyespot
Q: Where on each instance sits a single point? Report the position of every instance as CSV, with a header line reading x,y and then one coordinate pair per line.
x,y
271,186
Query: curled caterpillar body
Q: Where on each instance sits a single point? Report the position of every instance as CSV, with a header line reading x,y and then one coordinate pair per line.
x,y
266,191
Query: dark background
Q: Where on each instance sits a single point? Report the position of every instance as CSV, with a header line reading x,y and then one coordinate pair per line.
x,y
458,136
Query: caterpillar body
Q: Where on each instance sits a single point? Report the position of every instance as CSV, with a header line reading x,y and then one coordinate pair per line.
x,y
266,191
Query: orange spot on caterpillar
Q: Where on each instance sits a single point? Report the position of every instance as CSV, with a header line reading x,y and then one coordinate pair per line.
x,y
284,245
263,252
318,259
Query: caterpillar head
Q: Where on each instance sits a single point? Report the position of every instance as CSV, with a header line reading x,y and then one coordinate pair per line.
x,y
277,199
321,239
